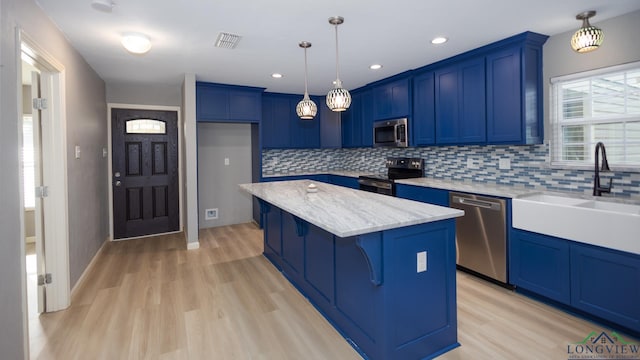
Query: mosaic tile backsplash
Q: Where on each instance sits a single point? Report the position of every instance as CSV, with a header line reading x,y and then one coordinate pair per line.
x,y
529,166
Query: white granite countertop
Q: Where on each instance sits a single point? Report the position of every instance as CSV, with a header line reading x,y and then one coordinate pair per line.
x,y
353,174
506,191
347,212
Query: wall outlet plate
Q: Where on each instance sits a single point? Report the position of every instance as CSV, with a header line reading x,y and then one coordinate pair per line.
x,y
211,214
421,261
504,164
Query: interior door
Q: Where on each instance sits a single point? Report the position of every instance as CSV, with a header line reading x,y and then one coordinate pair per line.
x,y
145,172
40,194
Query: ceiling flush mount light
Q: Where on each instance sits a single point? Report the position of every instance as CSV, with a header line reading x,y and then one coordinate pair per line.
x,y
439,40
587,38
375,67
338,99
136,43
103,5
276,75
306,108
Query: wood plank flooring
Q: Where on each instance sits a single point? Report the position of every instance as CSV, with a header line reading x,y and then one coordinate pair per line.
x,y
153,299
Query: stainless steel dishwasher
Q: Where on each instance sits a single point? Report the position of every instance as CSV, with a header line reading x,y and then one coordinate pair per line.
x,y
481,234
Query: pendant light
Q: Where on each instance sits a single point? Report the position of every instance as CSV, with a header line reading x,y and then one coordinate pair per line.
x,y
306,108
587,38
338,99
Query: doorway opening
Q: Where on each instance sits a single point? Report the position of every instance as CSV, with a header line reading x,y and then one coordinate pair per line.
x,y
44,214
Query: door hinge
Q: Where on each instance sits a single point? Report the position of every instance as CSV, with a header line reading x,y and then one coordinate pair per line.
x,y
42,191
44,279
40,104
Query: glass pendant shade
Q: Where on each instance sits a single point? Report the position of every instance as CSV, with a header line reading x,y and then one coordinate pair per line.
x,y
306,108
338,99
588,37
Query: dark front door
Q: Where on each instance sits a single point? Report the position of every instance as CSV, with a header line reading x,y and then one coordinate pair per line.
x,y
145,172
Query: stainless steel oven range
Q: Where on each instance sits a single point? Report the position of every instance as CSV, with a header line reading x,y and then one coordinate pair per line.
x,y
397,168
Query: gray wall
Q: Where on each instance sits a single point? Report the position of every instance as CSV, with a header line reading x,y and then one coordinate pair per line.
x,y
86,126
144,94
620,46
218,183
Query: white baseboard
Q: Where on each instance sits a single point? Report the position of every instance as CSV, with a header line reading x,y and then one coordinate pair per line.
x,y
193,245
88,268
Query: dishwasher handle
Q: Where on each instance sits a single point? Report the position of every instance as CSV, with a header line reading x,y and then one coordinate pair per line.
x,y
477,203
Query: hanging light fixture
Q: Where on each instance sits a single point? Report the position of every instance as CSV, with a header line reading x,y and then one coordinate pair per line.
x,y
338,99
587,38
306,108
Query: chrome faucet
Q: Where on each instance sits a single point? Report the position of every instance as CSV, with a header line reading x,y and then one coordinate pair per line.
x,y
597,188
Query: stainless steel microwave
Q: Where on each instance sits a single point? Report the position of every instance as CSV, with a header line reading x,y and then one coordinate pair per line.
x,y
392,133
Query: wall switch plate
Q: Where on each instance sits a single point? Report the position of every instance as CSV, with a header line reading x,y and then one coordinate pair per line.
x,y
78,151
422,261
226,161
211,214
504,164
104,152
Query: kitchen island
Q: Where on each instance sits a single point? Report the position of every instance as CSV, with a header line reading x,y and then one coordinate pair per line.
x,y
380,269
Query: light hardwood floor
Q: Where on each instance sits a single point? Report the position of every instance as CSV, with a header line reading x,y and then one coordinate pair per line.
x,y
153,299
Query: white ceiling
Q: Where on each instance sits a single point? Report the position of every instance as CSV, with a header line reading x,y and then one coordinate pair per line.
x,y
396,34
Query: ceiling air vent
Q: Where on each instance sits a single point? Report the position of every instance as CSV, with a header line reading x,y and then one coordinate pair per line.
x,y
227,41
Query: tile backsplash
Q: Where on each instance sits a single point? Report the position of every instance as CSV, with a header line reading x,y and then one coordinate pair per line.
x,y
528,166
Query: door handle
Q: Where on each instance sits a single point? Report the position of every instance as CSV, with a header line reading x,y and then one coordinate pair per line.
x,y
118,183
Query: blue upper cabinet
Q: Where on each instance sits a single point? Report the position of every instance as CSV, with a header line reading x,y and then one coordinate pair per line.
x,y
422,124
391,99
460,105
281,126
514,92
330,125
357,121
228,103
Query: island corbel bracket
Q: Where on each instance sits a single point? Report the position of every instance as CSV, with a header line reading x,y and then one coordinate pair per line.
x,y
301,226
370,246
265,207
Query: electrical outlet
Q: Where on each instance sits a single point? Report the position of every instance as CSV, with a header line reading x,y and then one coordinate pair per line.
x,y
211,214
421,261
471,164
78,151
504,164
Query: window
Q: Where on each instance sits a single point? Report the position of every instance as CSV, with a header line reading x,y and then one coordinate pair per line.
x,y
146,126
602,105
28,162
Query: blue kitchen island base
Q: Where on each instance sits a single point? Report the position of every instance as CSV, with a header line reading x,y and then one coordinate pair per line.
x,y
391,293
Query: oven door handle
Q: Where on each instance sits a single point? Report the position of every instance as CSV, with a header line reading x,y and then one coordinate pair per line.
x,y
378,184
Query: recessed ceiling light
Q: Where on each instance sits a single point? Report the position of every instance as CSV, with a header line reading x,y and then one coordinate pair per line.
x,y
136,43
439,40
103,5
276,75
375,67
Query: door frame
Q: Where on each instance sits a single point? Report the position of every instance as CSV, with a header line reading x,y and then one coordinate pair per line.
x,y
111,106
54,168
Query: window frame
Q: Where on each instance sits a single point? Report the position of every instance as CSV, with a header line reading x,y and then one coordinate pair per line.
x,y
557,121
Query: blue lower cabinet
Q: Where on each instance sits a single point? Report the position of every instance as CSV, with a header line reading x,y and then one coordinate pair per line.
x,y
423,194
345,181
599,282
606,283
272,224
293,236
367,286
540,264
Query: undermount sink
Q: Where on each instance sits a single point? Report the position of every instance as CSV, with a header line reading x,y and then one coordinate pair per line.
x,y
603,223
